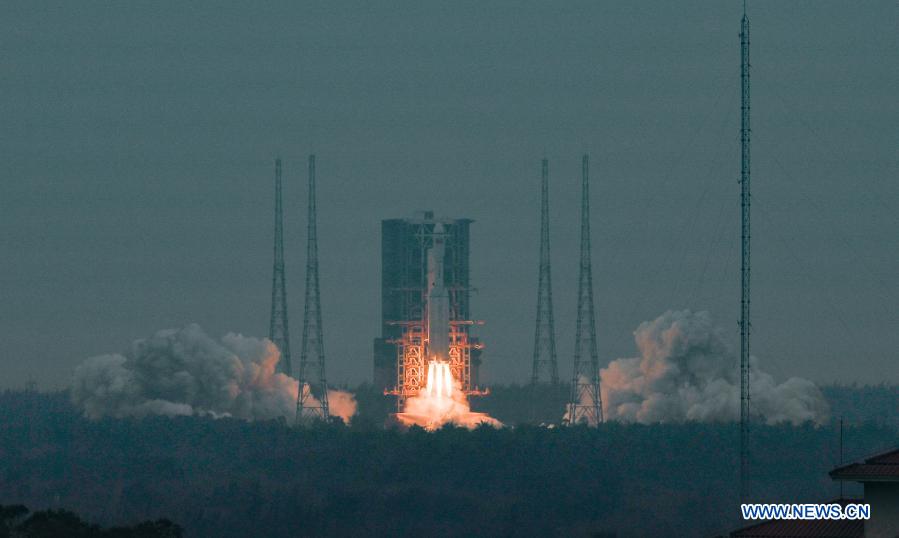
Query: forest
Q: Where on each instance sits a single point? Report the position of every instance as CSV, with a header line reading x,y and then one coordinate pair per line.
x,y
16,521
227,477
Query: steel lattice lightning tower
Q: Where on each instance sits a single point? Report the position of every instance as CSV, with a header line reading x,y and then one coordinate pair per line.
x,y
545,334
745,323
312,399
585,404
278,331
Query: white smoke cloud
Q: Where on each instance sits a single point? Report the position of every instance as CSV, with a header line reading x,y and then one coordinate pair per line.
x,y
432,412
185,372
685,372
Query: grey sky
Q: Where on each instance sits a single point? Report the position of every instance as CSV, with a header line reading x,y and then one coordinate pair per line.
x,y
137,147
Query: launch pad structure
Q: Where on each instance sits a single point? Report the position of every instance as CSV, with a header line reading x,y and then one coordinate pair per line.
x,y
425,306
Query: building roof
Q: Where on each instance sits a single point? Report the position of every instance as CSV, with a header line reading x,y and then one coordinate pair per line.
x,y
880,468
798,528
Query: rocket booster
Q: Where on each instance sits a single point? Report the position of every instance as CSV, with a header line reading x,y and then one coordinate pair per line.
x,y
438,298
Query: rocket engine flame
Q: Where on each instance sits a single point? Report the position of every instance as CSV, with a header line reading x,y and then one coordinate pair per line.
x,y
440,380
441,402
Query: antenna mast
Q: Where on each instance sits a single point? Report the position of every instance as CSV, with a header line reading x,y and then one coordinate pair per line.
x,y
745,323
312,398
545,334
841,453
277,331
585,404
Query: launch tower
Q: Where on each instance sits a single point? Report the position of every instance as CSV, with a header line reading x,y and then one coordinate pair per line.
x,y
278,332
425,305
545,366
585,404
312,399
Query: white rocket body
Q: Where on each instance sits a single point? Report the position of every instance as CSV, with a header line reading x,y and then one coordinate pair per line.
x,y
438,299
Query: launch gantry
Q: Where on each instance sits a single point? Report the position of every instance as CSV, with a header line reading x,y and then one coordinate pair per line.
x,y
438,330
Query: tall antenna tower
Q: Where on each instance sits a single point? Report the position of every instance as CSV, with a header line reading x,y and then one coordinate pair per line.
x,y
585,404
545,334
277,330
312,399
745,323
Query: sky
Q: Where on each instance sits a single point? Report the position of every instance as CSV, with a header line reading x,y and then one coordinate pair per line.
x,y
138,141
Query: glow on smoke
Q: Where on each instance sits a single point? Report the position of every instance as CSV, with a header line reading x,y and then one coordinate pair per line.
x,y
441,402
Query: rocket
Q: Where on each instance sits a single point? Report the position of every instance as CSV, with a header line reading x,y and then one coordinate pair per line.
x,y
437,299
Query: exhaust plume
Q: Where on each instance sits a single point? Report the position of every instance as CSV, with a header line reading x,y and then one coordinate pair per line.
x,y
685,372
442,402
186,372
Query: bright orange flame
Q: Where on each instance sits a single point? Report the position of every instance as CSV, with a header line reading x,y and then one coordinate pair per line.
x,y
442,401
440,380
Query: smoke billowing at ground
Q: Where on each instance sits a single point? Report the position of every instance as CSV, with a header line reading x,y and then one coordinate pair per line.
x,y
685,372
186,372
442,402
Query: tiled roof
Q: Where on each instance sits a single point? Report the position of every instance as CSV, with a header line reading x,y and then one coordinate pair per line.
x,y
890,458
882,467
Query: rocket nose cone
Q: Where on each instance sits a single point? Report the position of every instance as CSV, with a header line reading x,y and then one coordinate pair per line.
x,y
438,228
